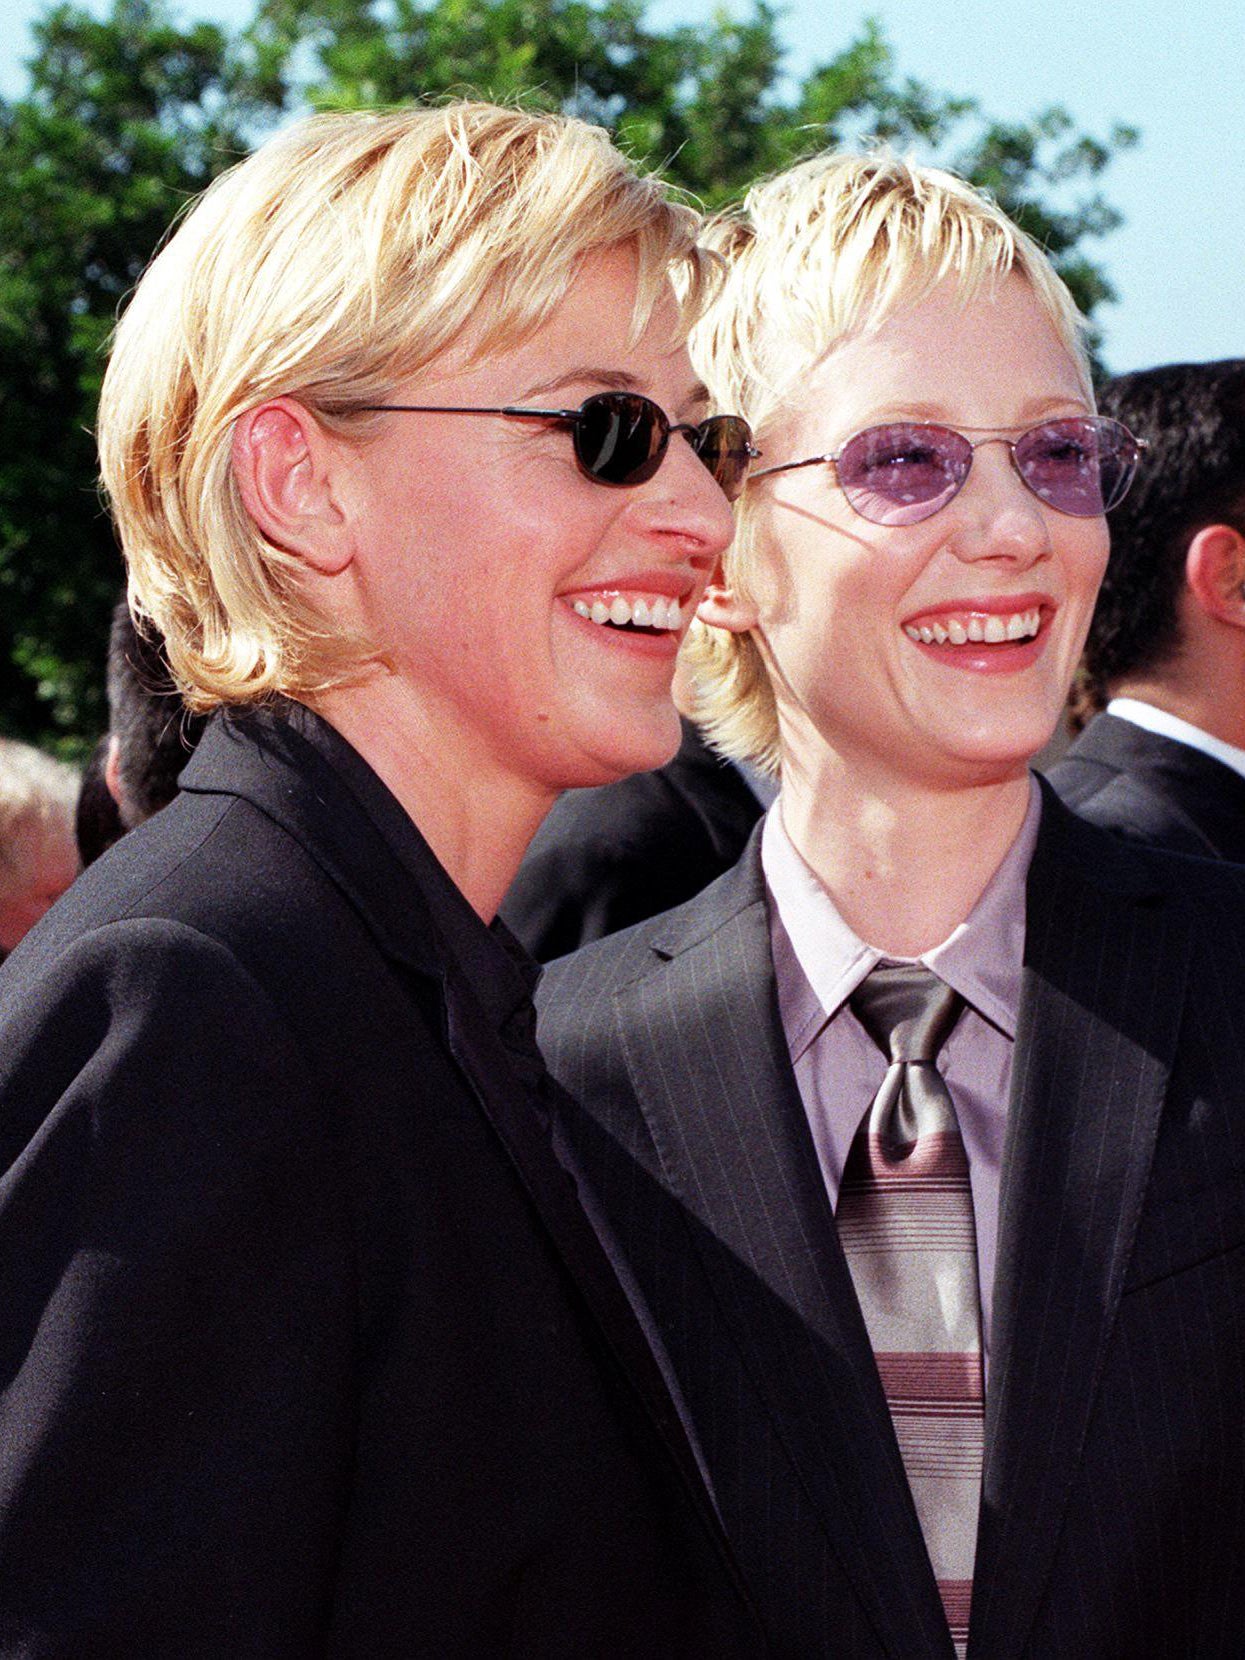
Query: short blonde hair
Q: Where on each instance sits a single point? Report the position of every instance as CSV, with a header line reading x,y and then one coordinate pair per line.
x,y
826,250
342,257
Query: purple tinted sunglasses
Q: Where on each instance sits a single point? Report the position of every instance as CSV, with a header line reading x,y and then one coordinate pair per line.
x,y
907,471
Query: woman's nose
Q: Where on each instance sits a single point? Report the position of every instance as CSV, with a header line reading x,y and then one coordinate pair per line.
x,y
998,516
684,499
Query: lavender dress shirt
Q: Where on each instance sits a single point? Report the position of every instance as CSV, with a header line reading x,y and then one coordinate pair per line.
x,y
819,962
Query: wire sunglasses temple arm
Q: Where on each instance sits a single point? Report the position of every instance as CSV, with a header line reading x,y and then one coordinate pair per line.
x,y
790,466
460,409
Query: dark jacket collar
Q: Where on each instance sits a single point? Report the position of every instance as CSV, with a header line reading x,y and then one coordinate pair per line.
x,y
294,767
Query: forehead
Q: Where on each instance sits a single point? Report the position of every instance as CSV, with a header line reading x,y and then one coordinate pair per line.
x,y
993,360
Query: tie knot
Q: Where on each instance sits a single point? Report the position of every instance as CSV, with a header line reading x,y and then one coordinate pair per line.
x,y
907,1011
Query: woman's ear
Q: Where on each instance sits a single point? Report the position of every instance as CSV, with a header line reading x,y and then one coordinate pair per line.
x,y
1215,573
285,466
723,606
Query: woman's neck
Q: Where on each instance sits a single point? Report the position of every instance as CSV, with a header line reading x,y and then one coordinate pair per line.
x,y
904,863
475,815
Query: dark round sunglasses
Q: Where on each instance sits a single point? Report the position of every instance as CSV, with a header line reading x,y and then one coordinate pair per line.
x,y
622,438
907,471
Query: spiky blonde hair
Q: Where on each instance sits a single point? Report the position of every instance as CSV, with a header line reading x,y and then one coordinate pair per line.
x,y
824,251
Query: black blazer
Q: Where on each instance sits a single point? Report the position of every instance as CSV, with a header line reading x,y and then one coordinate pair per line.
x,y
308,1348
1113,1515
608,857
1153,789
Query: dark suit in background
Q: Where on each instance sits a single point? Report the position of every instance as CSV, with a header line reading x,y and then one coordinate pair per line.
x,y
308,1347
1153,789
608,857
1113,1509
1169,626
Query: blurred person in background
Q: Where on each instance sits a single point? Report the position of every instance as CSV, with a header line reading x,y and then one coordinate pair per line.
x,y
921,1127
1162,683
312,1347
97,823
38,853
151,735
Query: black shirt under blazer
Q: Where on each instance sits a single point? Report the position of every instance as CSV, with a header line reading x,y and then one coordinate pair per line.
x,y
307,1347
1154,789
1113,1512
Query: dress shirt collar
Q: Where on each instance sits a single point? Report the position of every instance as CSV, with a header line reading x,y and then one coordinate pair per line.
x,y
1164,725
819,961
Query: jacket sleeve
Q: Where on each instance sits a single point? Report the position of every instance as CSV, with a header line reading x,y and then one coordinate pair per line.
x,y
175,1353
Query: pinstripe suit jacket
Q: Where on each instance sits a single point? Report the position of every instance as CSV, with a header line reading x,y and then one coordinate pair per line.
x,y
1113,1514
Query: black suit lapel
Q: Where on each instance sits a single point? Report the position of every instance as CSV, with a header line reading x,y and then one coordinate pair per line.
x,y
722,1108
1105,969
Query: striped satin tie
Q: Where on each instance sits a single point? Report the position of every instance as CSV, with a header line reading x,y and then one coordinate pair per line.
x,y
905,1217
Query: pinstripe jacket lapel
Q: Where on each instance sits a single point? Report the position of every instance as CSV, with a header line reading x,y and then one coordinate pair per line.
x,y
1105,971
723,1111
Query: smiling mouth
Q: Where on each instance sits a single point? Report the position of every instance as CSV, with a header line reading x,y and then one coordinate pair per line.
x,y
976,628
640,614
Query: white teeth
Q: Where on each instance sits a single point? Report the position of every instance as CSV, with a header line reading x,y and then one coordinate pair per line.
x,y
989,630
642,612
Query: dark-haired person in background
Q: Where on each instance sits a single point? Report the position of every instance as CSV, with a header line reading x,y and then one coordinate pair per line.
x,y
1163,756
97,823
134,768
151,732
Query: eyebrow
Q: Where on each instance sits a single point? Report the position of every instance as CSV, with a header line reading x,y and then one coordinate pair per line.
x,y
934,415
610,380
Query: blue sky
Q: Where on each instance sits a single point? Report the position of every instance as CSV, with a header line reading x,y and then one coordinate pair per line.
x,y
1178,262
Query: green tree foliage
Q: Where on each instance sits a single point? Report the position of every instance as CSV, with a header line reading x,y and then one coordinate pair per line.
x,y
125,120
127,117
